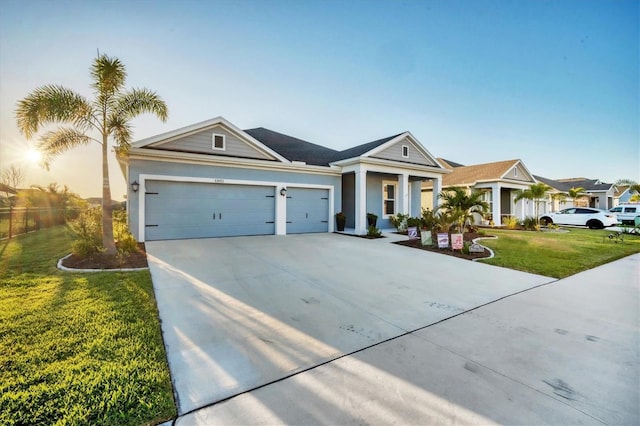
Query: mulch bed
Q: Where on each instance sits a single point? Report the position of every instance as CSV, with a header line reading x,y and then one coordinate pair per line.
x,y
137,259
469,236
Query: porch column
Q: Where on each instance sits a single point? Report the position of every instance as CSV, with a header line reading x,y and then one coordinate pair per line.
x,y
437,187
361,201
403,192
496,211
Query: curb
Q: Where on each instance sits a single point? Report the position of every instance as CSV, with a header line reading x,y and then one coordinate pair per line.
x,y
66,269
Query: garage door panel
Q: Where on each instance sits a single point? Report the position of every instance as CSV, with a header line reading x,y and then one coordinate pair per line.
x,y
307,210
176,210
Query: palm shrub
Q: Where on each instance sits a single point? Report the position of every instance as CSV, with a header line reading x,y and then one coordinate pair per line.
x,y
536,192
103,120
373,232
462,205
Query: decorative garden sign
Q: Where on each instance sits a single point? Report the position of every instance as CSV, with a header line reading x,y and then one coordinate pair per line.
x,y
412,232
457,241
426,238
443,240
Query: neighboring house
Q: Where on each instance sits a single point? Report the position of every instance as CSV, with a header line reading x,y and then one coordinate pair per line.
x,y
499,180
622,195
213,179
6,194
598,194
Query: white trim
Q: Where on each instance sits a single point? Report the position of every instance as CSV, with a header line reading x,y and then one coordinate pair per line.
x,y
210,160
213,141
395,198
281,210
391,167
406,148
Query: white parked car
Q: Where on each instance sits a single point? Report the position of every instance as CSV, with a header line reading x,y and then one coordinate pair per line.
x,y
581,216
626,213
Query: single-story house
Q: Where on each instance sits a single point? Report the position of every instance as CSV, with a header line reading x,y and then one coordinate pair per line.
x,y
623,194
499,181
212,179
598,194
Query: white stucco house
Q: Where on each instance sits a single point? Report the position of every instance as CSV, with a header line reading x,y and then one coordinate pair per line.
x,y
214,179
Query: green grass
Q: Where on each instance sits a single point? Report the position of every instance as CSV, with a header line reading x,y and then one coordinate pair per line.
x,y
556,254
77,348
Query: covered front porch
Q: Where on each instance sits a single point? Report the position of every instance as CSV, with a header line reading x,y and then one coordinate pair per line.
x,y
501,199
384,191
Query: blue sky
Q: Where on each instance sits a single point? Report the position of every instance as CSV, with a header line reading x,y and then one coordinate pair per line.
x,y
554,83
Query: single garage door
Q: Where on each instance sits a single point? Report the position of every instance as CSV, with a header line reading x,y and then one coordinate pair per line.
x,y
307,210
176,210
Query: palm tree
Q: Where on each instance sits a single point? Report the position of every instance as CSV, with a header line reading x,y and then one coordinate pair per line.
x,y
462,204
108,116
536,192
635,188
576,193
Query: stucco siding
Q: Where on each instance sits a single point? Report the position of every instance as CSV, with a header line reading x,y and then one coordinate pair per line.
x,y
202,142
394,153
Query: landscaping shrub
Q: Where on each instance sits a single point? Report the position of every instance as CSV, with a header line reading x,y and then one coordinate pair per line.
x,y
88,229
373,232
530,224
429,219
399,221
510,222
125,240
414,221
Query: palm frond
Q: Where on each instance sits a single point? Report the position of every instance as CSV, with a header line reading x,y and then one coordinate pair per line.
x,y
109,75
140,101
58,141
120,128
52,103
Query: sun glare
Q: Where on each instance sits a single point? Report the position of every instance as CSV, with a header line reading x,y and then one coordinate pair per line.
x,y
34,155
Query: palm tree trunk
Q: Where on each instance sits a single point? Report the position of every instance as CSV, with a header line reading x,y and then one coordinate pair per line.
x,y
108,242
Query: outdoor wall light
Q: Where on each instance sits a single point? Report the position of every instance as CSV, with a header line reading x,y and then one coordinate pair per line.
x,y
283,191
135,186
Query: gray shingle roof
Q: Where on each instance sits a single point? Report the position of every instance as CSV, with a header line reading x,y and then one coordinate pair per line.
x,y
294,149
357,151
565,185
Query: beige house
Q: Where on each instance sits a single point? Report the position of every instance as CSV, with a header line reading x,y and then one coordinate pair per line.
x,y
499,181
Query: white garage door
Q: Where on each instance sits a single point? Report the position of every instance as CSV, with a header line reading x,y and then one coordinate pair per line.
x,y
177,210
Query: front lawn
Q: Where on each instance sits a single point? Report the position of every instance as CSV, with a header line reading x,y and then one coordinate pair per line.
x,y
557,254
77,348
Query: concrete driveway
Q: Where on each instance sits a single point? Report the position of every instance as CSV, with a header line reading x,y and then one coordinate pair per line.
x,y
559,354
241,313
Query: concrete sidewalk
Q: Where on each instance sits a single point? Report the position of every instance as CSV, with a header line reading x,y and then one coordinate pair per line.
x,y
562,353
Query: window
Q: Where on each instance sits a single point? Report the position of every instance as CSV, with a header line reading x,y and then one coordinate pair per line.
x,y
218,142
388,199
405,151
515,172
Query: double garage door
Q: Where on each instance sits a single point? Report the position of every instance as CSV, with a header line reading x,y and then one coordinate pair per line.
x,y
177,210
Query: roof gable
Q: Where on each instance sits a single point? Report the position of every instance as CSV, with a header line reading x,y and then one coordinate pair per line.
x,y
499,170
198,138
391,148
